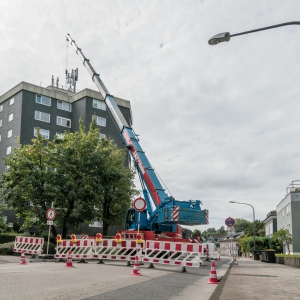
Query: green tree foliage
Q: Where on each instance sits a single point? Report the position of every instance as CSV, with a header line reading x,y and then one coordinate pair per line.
x,y
221,231
259,228
82,175
208,232
196,233
284,236
242,225
3,225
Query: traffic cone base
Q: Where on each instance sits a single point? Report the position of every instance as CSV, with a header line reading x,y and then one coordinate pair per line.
x,y
69,263
136,267
22,259
213,279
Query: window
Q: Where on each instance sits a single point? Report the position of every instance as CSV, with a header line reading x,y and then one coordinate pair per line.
x,y
96,224
64,105
41,116
1,107
10,117
0,137
59,135
11,101
9,133
8,150
6,168
288,209
102,135
43,100
0,122
283,214
99,104
63,122
100,121
45,133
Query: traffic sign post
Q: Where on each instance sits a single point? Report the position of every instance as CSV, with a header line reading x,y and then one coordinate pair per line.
x,y
139,204
50,215
230,222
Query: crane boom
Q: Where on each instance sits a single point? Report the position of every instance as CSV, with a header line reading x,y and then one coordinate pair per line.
x,y
109,99
163,211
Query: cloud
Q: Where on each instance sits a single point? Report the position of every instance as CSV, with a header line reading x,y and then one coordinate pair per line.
x,y
218,123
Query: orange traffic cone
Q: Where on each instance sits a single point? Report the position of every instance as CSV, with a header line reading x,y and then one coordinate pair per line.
x,y
213,274
23,259
136,267
69,263
234,260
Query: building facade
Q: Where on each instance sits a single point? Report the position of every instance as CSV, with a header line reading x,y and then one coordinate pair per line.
x,y
26,107
288,215
270,223
54,110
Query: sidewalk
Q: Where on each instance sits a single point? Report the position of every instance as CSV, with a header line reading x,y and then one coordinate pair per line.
x,y
252,279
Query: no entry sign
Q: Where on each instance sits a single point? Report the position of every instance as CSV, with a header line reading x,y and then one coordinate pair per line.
x,y
50,214
139,204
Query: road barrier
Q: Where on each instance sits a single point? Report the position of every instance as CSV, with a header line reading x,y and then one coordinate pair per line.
x,y
113,250
28,245
172,253
81,249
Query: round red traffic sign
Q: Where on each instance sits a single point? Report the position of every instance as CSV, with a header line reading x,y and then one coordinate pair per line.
x,y
50,214
139,204
230,222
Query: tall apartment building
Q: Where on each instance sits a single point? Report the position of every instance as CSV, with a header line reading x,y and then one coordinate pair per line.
x,y
54,110
288,215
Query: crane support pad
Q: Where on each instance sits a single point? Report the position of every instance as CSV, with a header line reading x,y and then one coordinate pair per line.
x,y
172,253
28,245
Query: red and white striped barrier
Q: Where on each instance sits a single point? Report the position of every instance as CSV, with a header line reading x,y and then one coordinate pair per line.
x,y
110,249
81,249
172,253
28,245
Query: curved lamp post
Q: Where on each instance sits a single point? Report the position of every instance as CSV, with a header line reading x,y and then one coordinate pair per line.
x,y
254,248
225,36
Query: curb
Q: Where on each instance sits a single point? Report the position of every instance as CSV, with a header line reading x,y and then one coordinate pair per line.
x,y
218,291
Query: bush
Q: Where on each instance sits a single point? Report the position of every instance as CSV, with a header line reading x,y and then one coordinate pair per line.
x,y
7,237
7,248
51,249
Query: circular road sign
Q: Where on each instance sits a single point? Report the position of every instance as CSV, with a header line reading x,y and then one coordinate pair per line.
x,y
139,204
50,214
230,222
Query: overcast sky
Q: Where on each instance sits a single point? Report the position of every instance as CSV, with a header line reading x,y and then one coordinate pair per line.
x,y
217,123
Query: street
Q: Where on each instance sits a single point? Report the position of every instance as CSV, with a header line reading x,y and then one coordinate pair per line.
x,y
112,280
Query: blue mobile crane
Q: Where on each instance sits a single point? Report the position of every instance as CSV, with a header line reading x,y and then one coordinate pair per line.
x,y
163,214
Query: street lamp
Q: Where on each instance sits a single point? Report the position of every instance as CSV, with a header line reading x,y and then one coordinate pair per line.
x,y
225,36
253,221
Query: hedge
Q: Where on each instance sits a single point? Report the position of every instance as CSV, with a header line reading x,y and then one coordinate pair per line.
x,y
8,237
7,248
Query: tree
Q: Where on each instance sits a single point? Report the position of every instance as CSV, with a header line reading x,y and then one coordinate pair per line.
x,y
25,183
221,231
196,233
3,225
78,174
118,187
241,225
284,236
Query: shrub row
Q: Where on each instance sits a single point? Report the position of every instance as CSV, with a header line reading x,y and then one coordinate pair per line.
x,y
7,248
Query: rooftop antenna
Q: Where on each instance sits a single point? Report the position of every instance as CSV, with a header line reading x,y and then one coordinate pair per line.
x,y
71,80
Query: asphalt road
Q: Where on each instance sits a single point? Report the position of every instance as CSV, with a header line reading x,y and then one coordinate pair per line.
x,y
112,280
